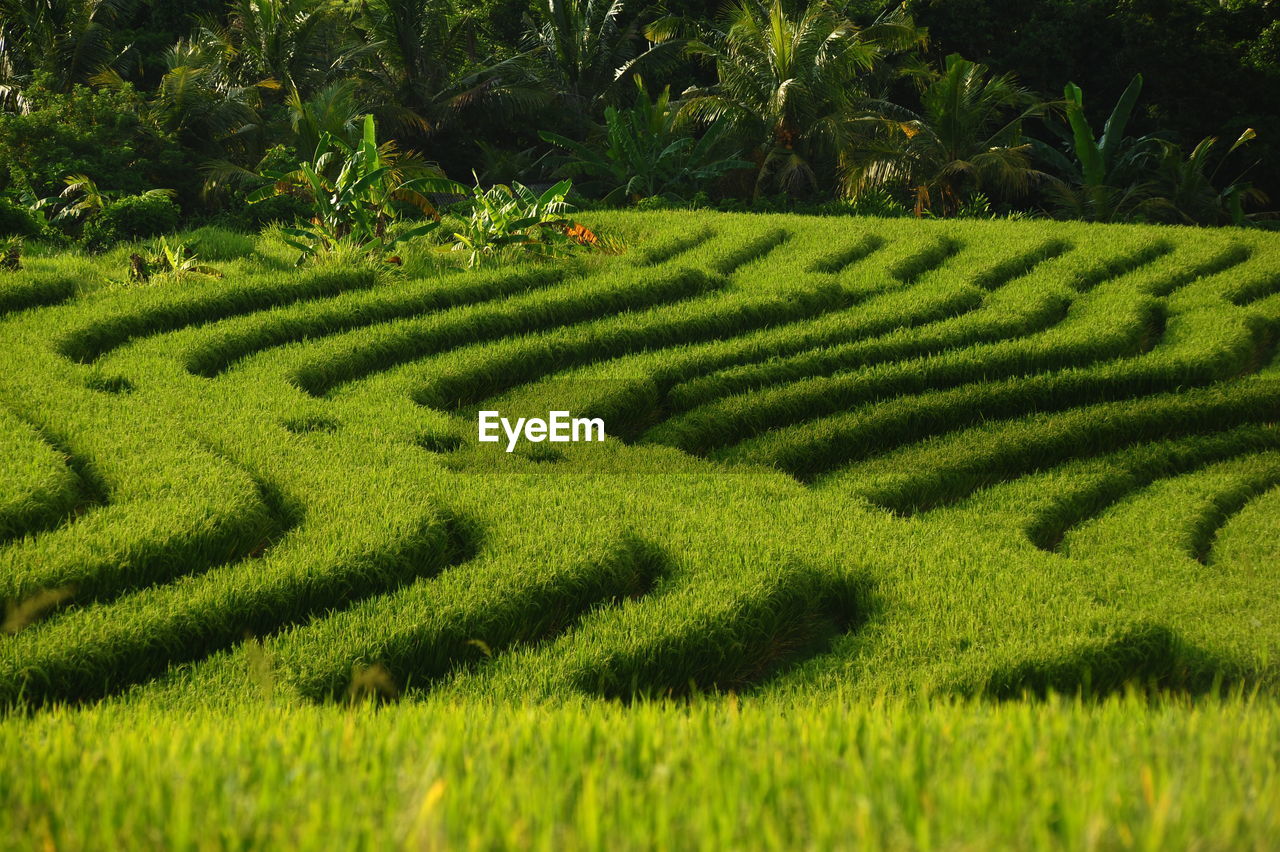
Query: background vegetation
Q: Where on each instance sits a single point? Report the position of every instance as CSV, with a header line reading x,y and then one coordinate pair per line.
x,y
908,533
926,108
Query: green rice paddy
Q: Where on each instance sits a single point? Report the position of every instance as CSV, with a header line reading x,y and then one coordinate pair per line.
x,y
926,534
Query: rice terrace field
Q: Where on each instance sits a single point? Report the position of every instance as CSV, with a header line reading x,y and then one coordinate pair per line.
x,y
931,534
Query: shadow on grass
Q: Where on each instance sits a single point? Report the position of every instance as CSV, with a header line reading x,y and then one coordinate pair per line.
x,y
1145,658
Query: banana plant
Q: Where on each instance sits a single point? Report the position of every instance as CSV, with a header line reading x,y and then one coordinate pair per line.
x,y
1107,178
512,219
1098,157
176,260
356,196
179,260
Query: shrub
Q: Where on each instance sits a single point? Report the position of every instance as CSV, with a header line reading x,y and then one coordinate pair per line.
x,y
506,221
655,202
228,187
97,133
176,260
353,214
11,254
16,220
130,218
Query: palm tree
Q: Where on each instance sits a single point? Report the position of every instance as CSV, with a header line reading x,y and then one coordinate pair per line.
x,y
275,45
967,138
795,86
642,153
68,41
415,65
197,100
336,110
589,52
406,59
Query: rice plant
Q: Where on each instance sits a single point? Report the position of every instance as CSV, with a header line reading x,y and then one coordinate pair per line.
x,y
870,487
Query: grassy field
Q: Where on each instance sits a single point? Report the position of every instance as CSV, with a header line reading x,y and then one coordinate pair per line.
x,y
837,772
873,490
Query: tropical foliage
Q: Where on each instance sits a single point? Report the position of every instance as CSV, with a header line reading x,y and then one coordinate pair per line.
x,y
512,220
1187,189
1115,176
67,41
765,104
356,193
643,153
966,139
795,85
175,259
585,51
1103,179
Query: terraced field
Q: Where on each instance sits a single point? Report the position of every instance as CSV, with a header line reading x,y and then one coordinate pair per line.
x,y
846,457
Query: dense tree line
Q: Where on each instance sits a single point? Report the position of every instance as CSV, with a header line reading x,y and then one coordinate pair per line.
x,y
1154,110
